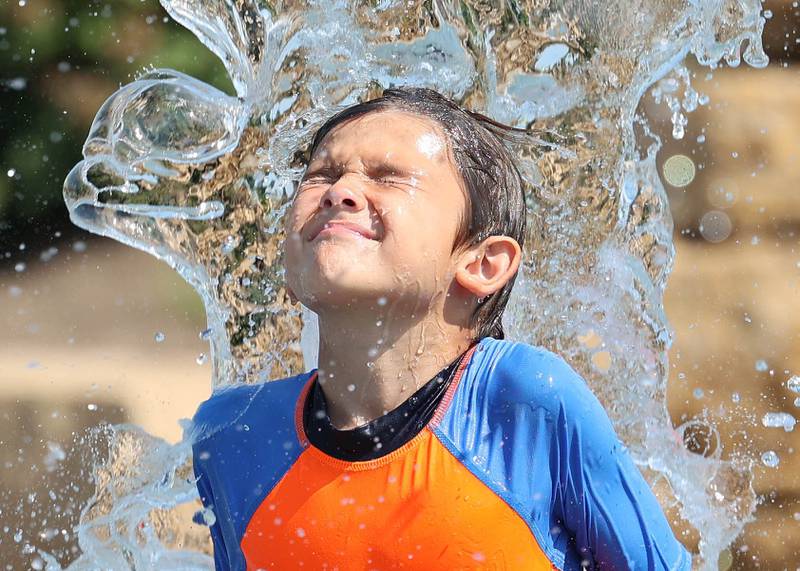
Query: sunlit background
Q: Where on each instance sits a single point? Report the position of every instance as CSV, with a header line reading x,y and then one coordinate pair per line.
x,y
94,332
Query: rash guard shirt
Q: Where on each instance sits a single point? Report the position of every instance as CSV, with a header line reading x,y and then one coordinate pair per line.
x,y
518,468
382,435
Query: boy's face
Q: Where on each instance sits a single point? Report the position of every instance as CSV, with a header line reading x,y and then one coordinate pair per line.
x,y
388,174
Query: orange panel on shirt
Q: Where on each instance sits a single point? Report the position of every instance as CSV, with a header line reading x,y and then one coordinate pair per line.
x,y
416,508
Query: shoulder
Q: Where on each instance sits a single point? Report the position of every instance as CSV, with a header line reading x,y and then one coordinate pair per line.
x,y
228,405
520,373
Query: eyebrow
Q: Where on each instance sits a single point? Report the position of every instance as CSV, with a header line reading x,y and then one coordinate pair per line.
x,y
374,167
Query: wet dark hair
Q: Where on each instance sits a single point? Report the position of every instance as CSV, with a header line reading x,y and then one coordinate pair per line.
x,y
494,186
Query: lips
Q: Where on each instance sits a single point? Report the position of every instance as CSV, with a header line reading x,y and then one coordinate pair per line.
x,y
343,224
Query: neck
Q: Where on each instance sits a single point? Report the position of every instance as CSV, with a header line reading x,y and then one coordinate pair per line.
x,y
369,365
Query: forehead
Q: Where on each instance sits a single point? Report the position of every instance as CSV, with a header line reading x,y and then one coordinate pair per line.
x,y
387,134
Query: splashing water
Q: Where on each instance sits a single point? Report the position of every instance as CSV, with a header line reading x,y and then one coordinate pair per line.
x,y
201,179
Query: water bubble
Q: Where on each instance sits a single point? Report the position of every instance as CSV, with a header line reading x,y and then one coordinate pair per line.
x,y
205,334
18,536
19,267
351,388
701,139
679,170
735,397
779,420
770,459
715,226
698,393
797,402
15,291
79,246
761,366
382,301
201,359
91,406
11,172
793,384
159,337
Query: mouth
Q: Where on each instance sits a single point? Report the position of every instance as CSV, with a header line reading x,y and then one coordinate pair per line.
x,y
337,228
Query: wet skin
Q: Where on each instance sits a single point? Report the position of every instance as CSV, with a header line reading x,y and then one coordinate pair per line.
x,y
369,248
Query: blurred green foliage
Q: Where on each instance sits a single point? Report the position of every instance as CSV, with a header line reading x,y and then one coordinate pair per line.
x,y
59,60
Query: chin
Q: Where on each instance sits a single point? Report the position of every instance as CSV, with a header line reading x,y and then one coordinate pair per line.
x,y
321,290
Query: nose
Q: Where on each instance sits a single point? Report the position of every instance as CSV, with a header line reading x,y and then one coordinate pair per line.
x,y
344,194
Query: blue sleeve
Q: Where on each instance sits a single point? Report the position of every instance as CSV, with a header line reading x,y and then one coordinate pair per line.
x,y
221,562
606,503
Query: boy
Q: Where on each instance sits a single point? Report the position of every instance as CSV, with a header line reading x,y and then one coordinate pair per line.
x,y
424,440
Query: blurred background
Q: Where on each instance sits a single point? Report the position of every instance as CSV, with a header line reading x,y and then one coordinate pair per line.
x,y
93,332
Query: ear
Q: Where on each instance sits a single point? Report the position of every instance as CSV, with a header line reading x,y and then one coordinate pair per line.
x,y
488,266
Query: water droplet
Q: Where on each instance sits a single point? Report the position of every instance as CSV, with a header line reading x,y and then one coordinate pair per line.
x,y
91,406
205,334
735,397
793,384
11,172
373,352
797,402
779,420
48,254
382,301
201,359
679,170
715,226
18,536
229,244
761,365
701,139
770,459
209,517
300,532
159,337
351,388
79,246
698,393
19,267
